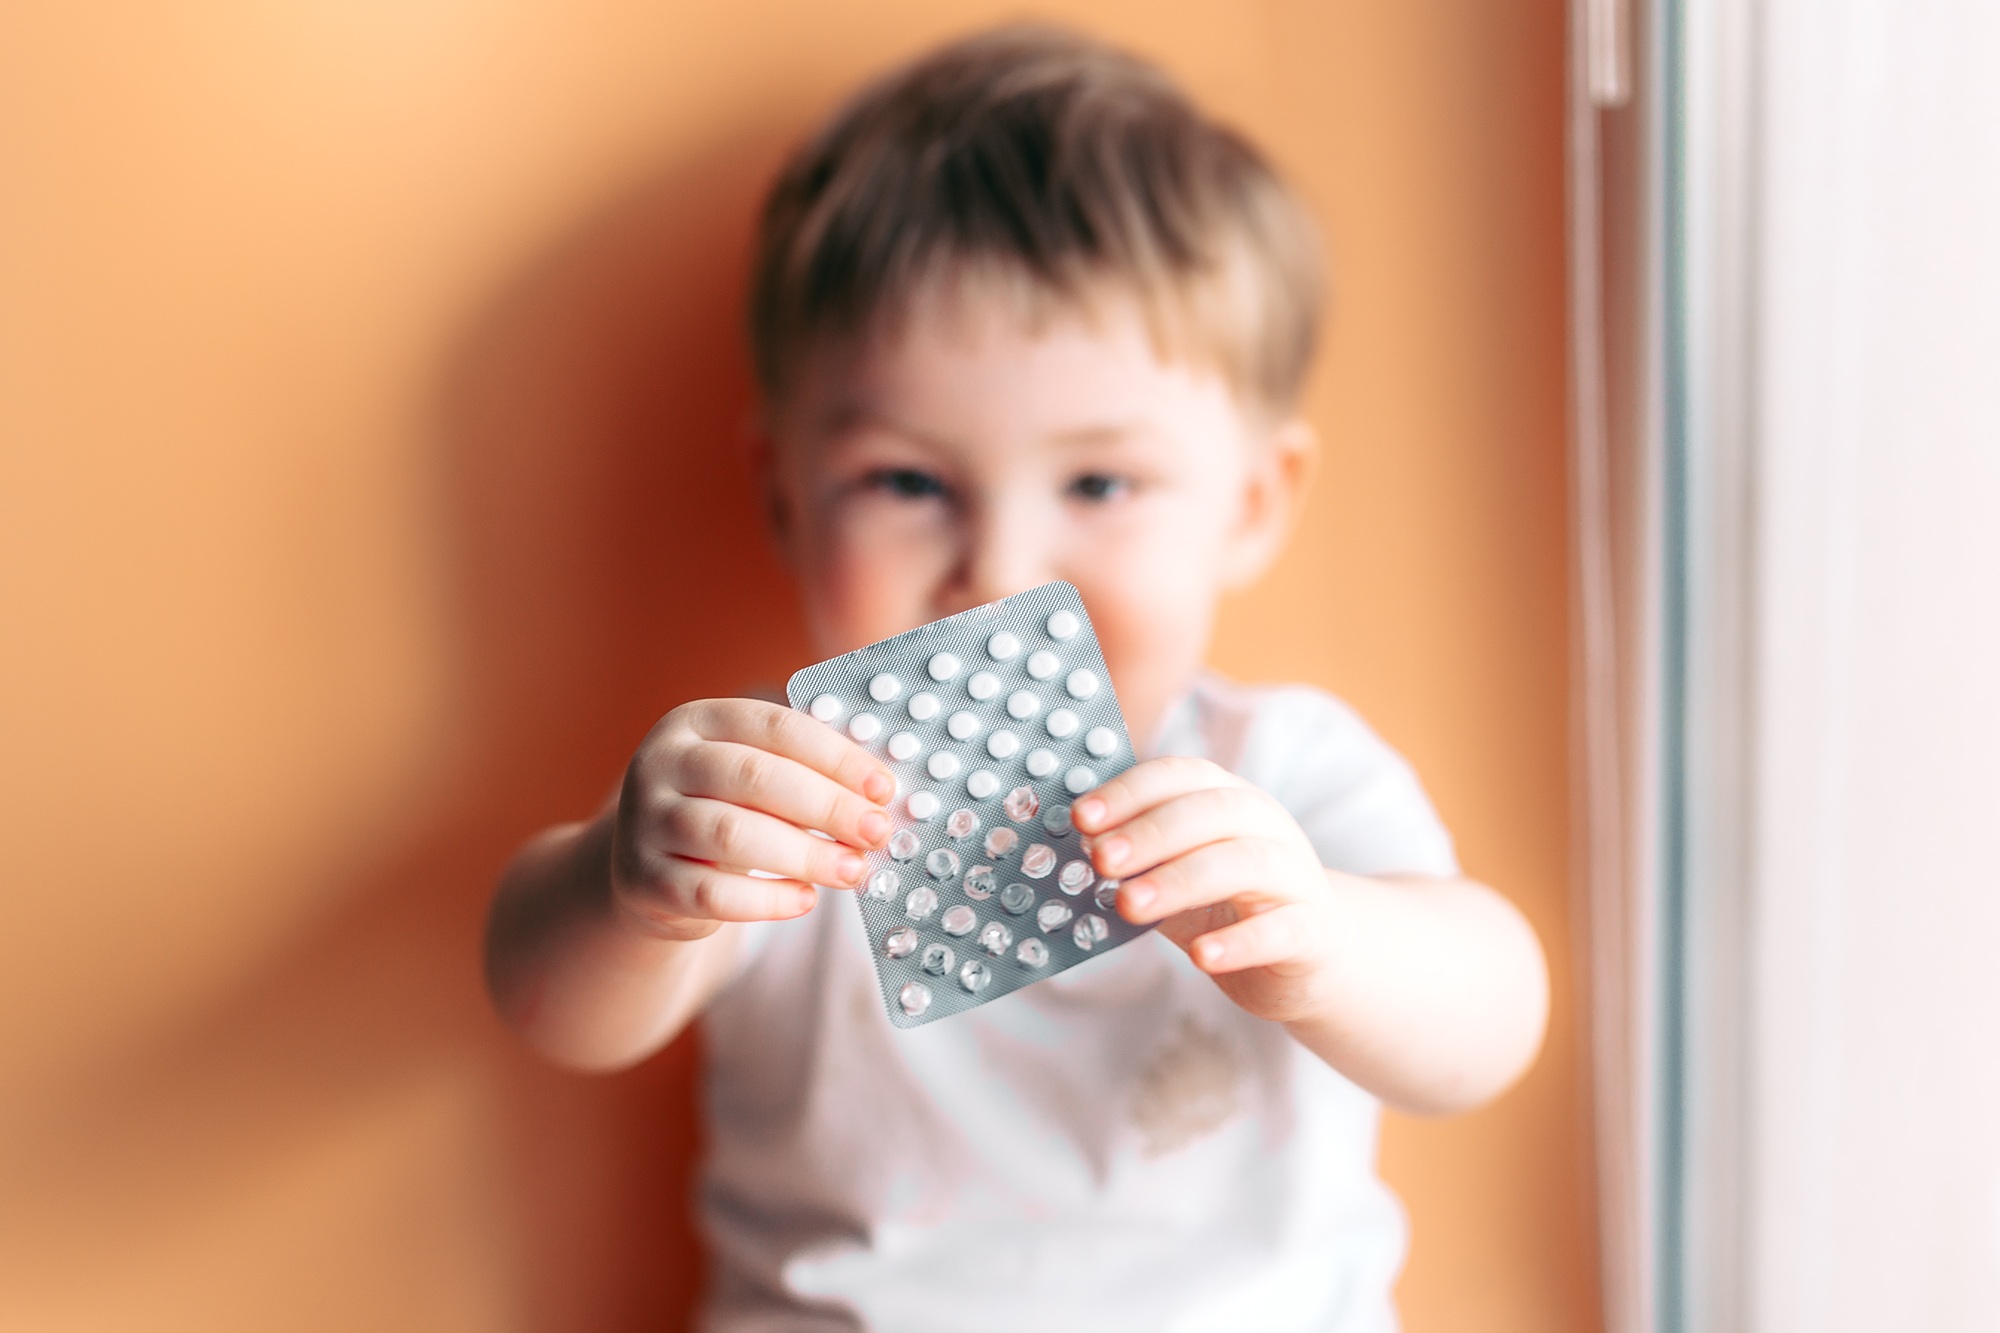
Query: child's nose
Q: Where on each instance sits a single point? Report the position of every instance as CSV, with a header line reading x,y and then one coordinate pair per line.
x,y
1003,554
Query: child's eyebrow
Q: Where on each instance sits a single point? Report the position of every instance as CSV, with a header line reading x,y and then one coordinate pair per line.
x,y
849,417
1109,432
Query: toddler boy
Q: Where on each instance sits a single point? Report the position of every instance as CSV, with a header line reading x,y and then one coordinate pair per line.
x,y
1022,313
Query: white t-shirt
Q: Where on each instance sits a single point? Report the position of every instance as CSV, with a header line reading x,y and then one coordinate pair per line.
x,y
1118,1147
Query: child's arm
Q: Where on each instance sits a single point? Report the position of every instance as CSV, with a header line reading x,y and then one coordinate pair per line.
x,y
1430,993
605,938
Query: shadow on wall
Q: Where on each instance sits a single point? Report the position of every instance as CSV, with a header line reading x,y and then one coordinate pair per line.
x,y
611,561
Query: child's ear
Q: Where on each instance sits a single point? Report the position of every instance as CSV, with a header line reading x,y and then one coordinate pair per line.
x,y
1274,486
763,453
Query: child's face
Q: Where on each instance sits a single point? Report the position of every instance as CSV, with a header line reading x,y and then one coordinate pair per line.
x,y
972,456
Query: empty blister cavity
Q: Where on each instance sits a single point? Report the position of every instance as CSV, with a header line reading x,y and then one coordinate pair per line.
x,y
978,882
942,863
1061,723
1001,841
903,747
1003,744
827,708
942,666
1056,820
981,784
1075,876
975,976
1038,861
1052,915
1021,804
1032,953
1090,931
1041,763
959,920
884,687
1101,742
1023,704
1002,646
921,903
914,998
900,943
1106,896
942,764
923,706
1082,683
963,725
922,805
1017,898
962,824
994,938
883,885
937,958
1043,664
1079,780
983,685
1063,626
864,727
904,845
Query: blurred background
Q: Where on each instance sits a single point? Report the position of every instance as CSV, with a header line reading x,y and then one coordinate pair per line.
x,y
361,366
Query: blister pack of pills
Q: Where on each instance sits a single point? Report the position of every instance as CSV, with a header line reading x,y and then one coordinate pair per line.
x,y
993,721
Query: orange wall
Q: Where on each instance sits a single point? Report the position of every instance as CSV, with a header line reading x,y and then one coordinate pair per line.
x,y
358,359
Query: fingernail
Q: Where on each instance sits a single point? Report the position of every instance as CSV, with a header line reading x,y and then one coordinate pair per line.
x,y
878,787
1112,853
874,827
851,868
1090,809
1138,897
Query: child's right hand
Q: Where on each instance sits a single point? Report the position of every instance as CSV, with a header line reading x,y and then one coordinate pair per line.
x,y
721,787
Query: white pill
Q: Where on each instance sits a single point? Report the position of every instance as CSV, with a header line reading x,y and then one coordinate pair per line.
x,y
1002,646
1079,780
1041,763
903,747
981,784
1061,724
922,804
923,706
963,725
921,902
943,764
915,997
1002,744
975,976
1100,741
1082,683
983,685
826,708
959,920
1041,665
884,688
1063,625
864,727
943,666
1022,705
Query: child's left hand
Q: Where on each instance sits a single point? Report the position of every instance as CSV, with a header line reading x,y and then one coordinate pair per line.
x,y
1228,874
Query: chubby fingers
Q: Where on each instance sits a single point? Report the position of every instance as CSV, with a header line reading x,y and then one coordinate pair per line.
x,y
1242,867
785,764
1143,786
1284,934
1182,823
685,899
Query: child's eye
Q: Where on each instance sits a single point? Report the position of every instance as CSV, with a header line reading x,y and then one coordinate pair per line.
x,y
1098,487
906,483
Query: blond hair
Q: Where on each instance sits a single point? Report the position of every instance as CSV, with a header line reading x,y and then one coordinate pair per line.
x,y
1062,167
